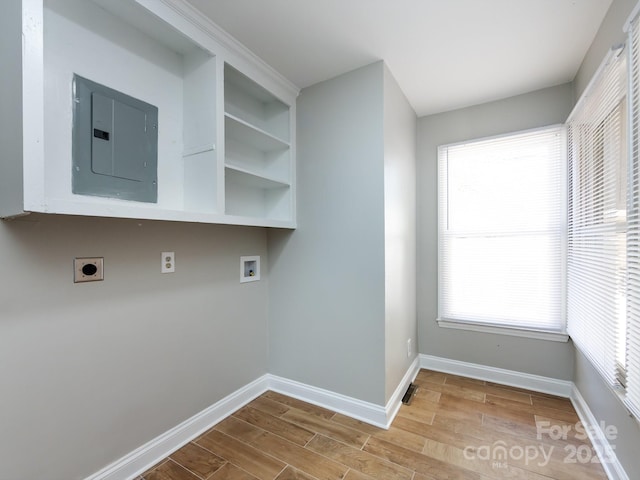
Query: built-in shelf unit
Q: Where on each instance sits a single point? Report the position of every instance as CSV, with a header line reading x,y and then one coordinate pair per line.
x,y
226,137
258,157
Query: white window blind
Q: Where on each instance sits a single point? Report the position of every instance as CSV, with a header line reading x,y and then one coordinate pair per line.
x,y
502,220
596,249
633,230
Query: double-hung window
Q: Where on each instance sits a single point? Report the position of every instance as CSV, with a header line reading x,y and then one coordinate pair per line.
x,y
502,226
632,334
597,220
535,227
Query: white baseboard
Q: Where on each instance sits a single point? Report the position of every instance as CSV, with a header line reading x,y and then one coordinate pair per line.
x,y
149,454
395,402
367,412
152,452
361,410
562,388
553,386
612,466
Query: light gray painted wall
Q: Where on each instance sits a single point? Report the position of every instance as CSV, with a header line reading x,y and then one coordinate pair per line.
x,y
326,298
537,109
601,400
609,410
609,34
399,232
11,106
92,371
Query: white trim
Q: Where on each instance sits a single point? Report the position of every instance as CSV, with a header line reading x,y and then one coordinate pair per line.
x,y
537,383
504,330
563,388
352,407
150,453
555,325
498,136
612,466
367,412
395,402
203,24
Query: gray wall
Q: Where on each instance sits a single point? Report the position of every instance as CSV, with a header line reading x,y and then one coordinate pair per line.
x,y
399,232
342,292
609,411
92,371
609,34
537,109
326,297
11,107
604,404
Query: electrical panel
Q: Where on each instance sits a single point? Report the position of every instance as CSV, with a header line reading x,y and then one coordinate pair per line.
x,y
115,144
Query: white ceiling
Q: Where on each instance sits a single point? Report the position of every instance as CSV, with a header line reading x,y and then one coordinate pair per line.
x,y
445,54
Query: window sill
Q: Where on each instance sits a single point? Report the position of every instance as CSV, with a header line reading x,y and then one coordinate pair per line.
x,y
514,332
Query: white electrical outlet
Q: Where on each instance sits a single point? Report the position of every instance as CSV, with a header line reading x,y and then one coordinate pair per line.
x,y
409,348
168,262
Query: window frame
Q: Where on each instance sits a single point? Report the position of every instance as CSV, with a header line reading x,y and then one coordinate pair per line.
x,y
598,143
560,335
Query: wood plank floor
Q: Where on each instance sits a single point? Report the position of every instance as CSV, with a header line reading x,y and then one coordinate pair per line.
x,y
455,429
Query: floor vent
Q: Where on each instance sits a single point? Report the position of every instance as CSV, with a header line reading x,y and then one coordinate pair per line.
x,y
408,396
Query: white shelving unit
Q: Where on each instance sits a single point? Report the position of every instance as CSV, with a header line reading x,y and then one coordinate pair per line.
x,y
258,151
225,119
